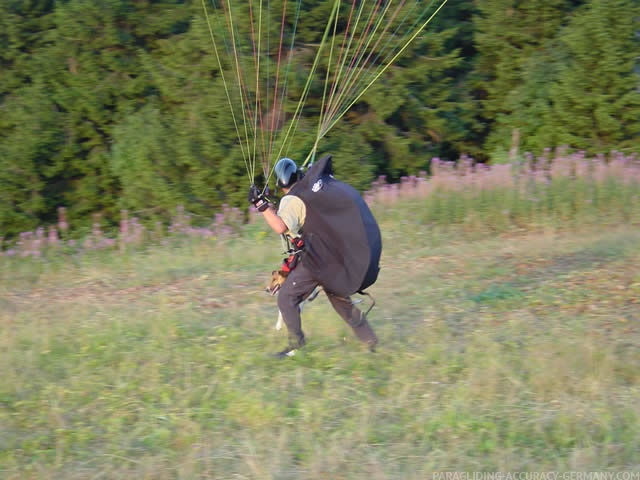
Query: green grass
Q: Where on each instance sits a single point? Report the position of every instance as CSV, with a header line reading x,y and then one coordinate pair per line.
x,y
516,351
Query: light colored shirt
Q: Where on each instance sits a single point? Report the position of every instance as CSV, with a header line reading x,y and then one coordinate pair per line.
x,y
293,212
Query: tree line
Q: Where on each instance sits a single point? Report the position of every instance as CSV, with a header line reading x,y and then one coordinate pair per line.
x,y
108,105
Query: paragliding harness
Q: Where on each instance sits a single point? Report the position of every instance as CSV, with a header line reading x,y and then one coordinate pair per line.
x,y
342,241
296,245
294,252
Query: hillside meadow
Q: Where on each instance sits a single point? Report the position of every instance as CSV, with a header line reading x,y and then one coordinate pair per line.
x,y
509,325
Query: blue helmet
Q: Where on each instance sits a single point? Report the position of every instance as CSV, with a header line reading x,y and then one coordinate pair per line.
x,y
286,172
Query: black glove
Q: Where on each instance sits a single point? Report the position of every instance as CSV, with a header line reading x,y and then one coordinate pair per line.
x,y
257,199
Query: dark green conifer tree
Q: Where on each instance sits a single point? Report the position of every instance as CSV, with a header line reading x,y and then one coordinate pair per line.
x,y
514,67
596,97
30,128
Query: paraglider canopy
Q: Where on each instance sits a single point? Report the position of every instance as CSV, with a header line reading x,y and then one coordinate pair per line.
x,y
341,236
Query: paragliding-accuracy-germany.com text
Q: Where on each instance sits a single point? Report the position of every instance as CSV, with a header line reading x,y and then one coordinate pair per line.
x,y
550,475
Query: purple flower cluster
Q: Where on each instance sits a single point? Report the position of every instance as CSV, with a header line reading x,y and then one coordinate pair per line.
x,y
466,176
226,223
529,177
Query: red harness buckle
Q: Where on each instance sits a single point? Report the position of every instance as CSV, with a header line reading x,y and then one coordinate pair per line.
x,y
290,263
297,243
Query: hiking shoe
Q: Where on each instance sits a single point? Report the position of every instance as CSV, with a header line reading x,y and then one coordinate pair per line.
x,y
287,352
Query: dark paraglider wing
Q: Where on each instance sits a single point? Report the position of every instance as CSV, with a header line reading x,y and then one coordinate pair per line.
x,y
342,238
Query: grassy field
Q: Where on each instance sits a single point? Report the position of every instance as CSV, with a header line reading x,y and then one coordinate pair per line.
x,y
506,351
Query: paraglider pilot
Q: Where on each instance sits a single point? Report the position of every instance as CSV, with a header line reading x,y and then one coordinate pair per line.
x,y
340,239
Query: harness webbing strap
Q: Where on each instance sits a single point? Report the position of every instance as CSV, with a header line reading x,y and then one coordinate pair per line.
x,y
289,263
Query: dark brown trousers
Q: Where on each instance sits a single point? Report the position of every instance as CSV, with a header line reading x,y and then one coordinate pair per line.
x,y
299,285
